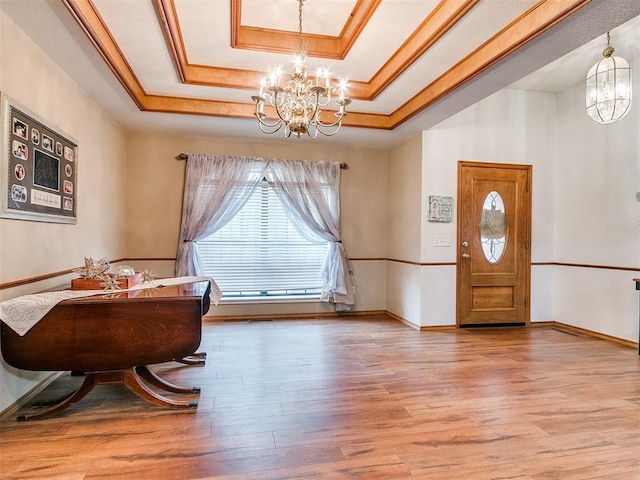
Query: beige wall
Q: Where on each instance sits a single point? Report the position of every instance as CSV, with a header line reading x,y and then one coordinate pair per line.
x,y
597,219
405,193
155,202
29,249
404,225
507,127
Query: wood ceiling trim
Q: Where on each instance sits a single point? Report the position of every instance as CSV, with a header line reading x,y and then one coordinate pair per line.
x,y
359,18
439,21
198,106
217,108
281,41
168,17
535,21
528,26
87,16
446,14
223,77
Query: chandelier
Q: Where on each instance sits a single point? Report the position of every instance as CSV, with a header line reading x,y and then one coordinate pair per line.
x,y
608,89
297,99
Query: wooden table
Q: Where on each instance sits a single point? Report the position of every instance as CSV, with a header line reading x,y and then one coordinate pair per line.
x,y
112,338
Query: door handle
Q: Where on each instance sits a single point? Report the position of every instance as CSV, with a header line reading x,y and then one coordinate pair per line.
x,y
466,255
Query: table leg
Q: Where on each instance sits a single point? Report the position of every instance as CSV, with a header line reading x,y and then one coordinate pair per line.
x,y
133,382
153,379
61,403
198,358
51,403
129,378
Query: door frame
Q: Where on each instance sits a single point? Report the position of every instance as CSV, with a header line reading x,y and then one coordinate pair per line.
x,y
527,235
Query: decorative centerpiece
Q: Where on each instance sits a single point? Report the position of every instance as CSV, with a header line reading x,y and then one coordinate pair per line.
x,y
96,275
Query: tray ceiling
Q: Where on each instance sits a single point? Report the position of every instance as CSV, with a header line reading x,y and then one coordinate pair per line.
x,y
402,58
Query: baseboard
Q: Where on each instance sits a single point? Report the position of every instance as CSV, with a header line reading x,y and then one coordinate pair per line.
x,y
544,324
591,333
292,316
403,320
549,324
27,397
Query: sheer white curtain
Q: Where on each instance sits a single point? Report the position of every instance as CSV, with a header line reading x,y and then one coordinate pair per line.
x,y
310,195
216,188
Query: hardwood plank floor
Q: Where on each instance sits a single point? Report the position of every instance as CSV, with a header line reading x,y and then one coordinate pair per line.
x,y
355,398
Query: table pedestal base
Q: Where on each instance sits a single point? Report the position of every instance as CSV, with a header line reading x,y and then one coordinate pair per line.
x,y
197,358
132,378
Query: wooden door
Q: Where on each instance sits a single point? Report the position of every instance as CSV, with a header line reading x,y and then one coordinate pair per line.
x,y
494,237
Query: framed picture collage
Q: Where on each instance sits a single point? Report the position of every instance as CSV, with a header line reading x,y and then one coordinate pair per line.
x,y
39,168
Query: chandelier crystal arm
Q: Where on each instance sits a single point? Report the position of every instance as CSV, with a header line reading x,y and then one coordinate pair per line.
x,y
339,116
265,126
337,122
269,129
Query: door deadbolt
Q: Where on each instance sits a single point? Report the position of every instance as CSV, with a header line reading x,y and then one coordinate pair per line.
x,y
465,244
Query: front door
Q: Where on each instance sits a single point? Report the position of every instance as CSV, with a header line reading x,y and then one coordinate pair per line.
x,y
494,237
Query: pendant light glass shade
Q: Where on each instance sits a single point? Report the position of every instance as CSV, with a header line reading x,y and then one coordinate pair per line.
x,y
608,88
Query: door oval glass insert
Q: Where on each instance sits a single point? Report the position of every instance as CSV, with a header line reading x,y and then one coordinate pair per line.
x,y
493,227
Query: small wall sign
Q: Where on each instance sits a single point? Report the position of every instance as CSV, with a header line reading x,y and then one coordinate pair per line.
x,y
440,208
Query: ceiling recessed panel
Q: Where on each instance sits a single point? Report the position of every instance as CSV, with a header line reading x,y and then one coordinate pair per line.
x,y
319,17
475,28
206,34
141,41
205,30
392,24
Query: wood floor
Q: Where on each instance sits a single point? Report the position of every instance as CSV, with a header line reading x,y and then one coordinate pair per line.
x,y
355,399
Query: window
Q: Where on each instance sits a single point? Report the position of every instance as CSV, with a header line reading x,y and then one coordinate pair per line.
x,y
260,254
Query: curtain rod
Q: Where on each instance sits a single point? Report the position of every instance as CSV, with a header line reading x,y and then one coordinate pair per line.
x,y
184,156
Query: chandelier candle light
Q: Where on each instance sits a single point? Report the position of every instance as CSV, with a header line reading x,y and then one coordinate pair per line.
x,y
298,103
608,88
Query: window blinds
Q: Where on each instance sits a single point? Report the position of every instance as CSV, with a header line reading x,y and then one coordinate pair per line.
x,y
259,252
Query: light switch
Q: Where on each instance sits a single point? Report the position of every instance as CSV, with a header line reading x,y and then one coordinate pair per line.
x,y
441,241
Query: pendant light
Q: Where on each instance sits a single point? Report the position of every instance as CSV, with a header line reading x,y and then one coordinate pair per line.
x,y
608,88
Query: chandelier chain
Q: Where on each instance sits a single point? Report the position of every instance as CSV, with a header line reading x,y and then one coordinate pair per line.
x,y
608,51
301,50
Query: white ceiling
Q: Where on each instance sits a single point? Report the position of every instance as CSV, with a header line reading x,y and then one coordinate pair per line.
x,y
205,29
571,69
